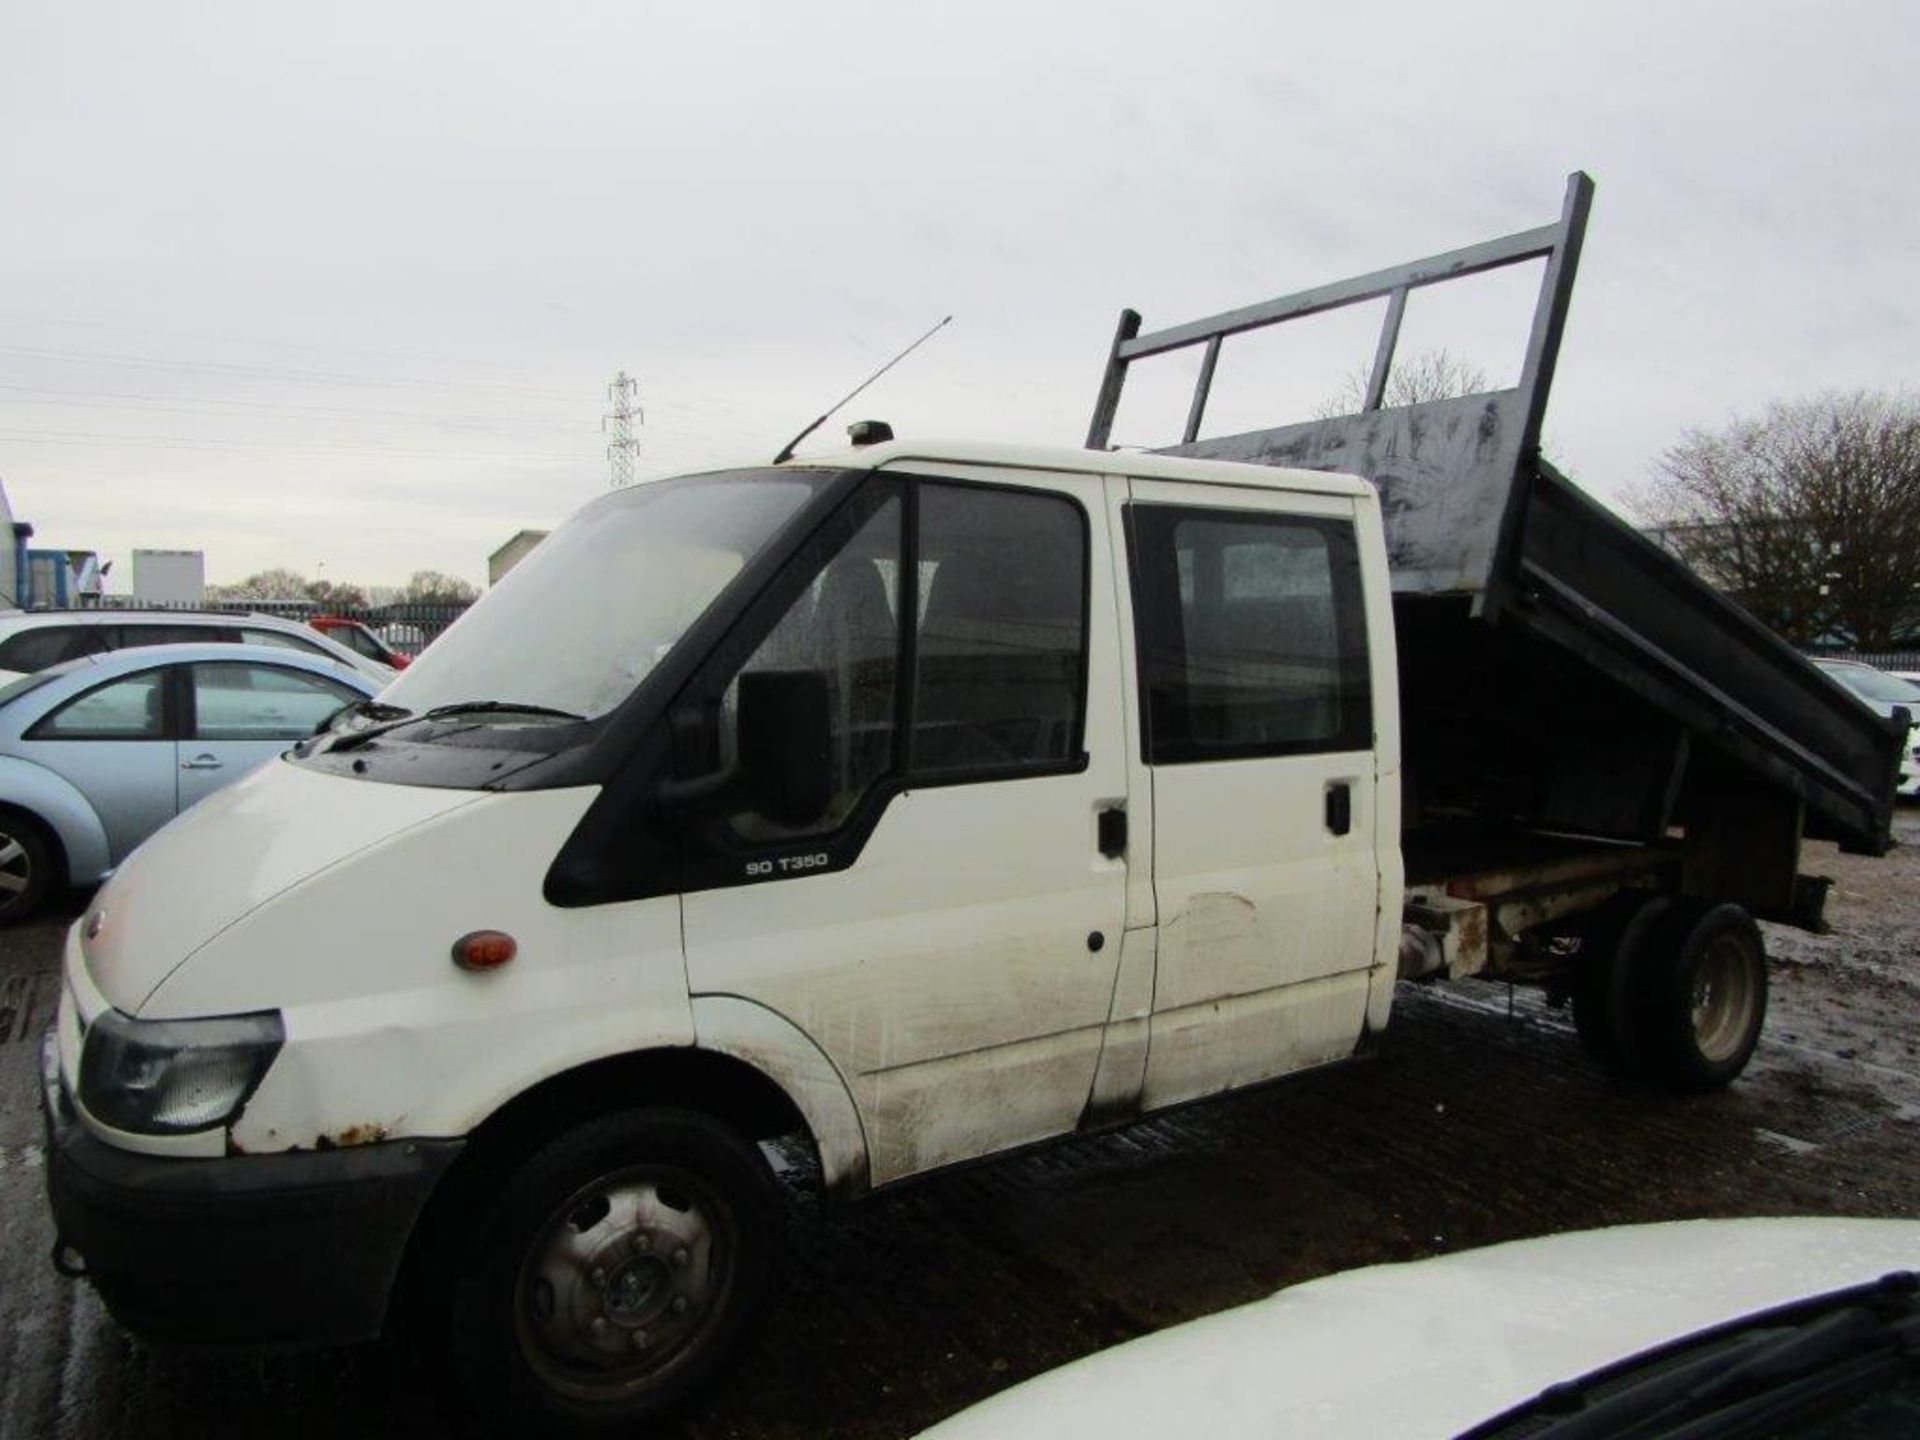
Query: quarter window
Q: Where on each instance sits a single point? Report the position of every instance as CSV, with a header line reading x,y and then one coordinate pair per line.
x,y
134,708
1251,632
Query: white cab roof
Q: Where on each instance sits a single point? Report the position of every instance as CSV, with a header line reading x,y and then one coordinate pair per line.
x,y
903,454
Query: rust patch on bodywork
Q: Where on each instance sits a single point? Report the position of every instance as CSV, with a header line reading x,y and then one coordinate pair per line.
x,y
351,1136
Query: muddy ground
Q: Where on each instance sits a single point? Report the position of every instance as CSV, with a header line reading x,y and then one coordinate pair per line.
x,y
1480,1121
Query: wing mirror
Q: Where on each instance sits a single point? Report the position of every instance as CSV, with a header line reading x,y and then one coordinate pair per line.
x,y
786,751
784,767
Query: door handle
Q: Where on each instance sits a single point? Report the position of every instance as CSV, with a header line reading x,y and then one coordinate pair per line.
x,y
1113,832
1339,807
202,762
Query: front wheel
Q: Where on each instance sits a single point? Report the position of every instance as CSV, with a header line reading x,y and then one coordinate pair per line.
x,y
26,867
613,1274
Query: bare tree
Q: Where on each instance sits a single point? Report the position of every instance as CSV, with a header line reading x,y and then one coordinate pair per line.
x,y
265,585
1809,515
341,595
1430,375
434,587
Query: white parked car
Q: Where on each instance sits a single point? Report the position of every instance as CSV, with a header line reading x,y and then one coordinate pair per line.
x,y
1886,692
32,640
1702,1328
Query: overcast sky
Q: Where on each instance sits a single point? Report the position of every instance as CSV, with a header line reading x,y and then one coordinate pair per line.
x,y
341,289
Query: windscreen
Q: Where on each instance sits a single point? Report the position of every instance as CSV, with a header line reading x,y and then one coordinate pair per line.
x,y
1877,685
578,623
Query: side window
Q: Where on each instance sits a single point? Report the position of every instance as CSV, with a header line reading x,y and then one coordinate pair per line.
x,y
234,701
133,708
1002,639
358,640
46,645
132,635
282,640
843,628
1252,634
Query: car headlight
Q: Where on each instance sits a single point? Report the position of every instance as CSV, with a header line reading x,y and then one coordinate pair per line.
x,y
172,1077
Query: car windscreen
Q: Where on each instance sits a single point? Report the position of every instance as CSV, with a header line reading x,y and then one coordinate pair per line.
x,y
1876,685
580,622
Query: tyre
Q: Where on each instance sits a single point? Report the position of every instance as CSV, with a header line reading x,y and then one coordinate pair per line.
x,y
26,866
1700,996
1603,998
612,1274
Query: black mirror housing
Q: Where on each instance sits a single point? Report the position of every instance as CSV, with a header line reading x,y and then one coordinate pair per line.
x,y
785,750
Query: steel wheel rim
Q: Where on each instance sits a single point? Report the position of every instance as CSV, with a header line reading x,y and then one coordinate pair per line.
x,y
623,1281
16,870
1722,1001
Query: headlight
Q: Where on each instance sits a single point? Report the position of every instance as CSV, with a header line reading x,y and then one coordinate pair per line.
x,y
172,1077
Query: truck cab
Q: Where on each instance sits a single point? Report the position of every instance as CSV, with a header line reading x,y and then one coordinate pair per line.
x,y
925,801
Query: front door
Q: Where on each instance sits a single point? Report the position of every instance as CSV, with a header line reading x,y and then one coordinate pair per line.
x,y
243,713
948,930
1257,730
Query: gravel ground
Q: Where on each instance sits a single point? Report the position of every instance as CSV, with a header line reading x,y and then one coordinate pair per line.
x,y
1480,1121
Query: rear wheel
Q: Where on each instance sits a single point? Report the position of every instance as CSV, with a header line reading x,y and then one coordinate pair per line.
x,y
26,866
1603,998
1701,996
612,1275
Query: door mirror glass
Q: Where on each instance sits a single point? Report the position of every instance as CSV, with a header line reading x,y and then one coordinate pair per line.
x,y
786,745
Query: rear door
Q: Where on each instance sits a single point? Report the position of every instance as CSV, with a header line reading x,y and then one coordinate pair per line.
x,y
1256,725
948,932
240,714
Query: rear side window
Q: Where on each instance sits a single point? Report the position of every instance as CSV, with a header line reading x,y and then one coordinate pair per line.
x,y
284,641
234,701
1001,649
1251,634
133,635
133,708
357,640
46,645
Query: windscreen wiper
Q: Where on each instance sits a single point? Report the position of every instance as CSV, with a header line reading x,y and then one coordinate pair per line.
x,y
1770,1371
444,712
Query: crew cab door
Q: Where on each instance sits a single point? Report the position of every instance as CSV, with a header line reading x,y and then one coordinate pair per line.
x,y
1256,726
946,929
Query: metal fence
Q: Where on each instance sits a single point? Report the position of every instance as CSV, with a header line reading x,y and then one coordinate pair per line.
x,y
406,626
1879,659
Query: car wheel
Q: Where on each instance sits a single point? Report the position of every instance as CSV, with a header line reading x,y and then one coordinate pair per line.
x,y
1700,990
26,866
613,1274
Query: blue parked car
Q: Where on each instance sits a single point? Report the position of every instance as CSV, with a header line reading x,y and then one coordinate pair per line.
x,y
98,753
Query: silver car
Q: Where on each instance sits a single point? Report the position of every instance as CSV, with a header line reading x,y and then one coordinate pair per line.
x,y
98,753
33,640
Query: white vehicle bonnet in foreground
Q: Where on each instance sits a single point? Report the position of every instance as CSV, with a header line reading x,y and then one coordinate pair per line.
x,y
1435,1347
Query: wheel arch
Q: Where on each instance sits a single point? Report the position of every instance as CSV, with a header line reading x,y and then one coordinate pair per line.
x,y
63,815
720,1085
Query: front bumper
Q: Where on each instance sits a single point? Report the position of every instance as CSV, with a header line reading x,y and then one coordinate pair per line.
x,y
258,1250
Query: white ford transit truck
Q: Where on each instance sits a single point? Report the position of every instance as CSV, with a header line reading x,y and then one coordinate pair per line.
x,y
919,802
